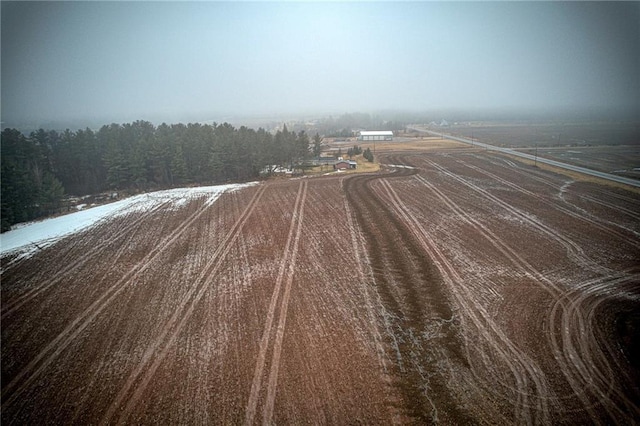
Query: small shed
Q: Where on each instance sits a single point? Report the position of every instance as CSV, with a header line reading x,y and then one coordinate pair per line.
x,y
344,165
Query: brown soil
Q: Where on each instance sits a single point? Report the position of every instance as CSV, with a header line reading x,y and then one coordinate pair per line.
x,y
468,289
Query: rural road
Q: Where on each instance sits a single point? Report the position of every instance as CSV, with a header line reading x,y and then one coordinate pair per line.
x,y
590,172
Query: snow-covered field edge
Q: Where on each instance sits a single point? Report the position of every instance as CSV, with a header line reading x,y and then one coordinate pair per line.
x,y
28,237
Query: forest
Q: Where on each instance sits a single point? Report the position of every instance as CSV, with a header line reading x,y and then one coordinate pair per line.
x,y
38,170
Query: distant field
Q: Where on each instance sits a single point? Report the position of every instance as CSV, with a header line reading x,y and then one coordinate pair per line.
x,y
552,135
403,144
619,160
607,147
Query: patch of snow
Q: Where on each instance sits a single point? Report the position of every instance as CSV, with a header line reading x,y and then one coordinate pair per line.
x,y
28,237
399,166
563,189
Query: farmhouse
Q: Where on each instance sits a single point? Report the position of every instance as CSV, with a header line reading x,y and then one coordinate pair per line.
x,y
344,165
378,135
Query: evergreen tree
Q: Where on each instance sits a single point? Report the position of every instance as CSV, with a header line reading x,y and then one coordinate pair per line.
x,y
266,151
118,175
160,156
28,188
50,194
178,173
37,170
317,147
368,155
356,150
301,149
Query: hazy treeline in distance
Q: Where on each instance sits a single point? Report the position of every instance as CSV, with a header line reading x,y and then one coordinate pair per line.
x,y
343,125
39,169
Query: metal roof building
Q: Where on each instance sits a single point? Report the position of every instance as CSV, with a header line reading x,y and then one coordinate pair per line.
x,y
379,135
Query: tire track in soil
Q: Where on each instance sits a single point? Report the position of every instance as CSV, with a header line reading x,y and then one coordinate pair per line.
x,y
619,209
287,266
421,303
547,285
137,382
523,369
535,175
365,274
489,235
607,229
583,362
573,249
12,391
125,231
282,320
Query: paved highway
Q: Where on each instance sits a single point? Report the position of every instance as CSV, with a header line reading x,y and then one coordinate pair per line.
x,y
602,175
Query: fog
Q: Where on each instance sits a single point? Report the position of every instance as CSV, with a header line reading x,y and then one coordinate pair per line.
x,y
187,61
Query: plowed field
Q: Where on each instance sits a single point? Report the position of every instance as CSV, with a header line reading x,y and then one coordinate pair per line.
x,y
465,288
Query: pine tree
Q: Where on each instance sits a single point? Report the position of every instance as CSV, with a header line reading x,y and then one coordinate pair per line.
x,y
178,173
317,147
302,147
28,188
368,155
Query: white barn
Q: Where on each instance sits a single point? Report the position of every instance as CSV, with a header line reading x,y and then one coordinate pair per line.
x,y
378,135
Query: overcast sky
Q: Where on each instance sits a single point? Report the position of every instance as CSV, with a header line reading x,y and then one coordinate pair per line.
x,y
122,61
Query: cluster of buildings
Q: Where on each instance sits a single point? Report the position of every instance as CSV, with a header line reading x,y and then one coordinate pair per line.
x,y
339,163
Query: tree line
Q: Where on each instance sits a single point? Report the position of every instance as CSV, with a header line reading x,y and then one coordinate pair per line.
x,y
39,169
344,125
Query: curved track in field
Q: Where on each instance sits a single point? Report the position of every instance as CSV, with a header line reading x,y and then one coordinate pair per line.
x,y
541,392
422,326
594,380
573,249
525,386
588,360
578,215
587,356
